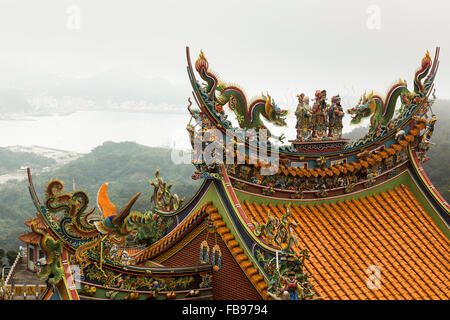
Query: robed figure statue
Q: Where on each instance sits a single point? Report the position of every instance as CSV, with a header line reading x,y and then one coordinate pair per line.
x,y
303,114
319,115
335,115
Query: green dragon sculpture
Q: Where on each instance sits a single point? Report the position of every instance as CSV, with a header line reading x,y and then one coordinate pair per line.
x,y
53,249
86,227
381,111
288,279
162,197
278,231
248,113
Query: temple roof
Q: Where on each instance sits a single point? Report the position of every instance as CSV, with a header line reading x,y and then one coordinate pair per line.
x,y
176,234
37,222
389,230
180,231
30,237
238,253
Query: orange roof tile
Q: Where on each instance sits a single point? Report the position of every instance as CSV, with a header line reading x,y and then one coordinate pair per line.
x,y
377,158
363,163
383,154
335,170
37,222
409,138
349,240
299,172
30,237
313,172
246,265
356,165
415,132
391,151
349,167
341,168
321,172
306,172
168,240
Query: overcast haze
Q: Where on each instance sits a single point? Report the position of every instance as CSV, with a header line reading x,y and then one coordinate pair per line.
x,y
283,47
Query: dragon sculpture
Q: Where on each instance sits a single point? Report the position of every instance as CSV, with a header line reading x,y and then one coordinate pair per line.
x,y
278,231
248,113
381,111
288,278
86,227
162,198
5,294
52,268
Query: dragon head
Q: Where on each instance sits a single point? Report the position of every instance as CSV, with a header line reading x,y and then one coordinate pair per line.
x,y
273,113
363,109
201,62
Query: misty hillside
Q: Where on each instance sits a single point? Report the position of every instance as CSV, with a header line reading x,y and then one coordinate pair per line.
x,y
38,92
437,167
11,161
126,166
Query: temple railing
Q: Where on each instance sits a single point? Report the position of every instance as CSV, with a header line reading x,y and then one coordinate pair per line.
x,y
13,268
25,291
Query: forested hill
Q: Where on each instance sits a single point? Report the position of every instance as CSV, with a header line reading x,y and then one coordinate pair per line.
x,y
438,168
11,161
126,166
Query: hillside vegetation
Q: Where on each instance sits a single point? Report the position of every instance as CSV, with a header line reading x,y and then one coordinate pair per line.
x,y
11,161
126,166
437,168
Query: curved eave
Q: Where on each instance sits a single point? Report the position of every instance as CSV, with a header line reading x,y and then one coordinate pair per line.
x,y
428,189
294,155
310,195
134,270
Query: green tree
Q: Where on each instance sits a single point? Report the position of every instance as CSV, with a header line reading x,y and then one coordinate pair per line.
x,y
11,256
2,254
126,166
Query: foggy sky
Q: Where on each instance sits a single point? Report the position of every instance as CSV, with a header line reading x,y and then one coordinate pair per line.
x,y
283,47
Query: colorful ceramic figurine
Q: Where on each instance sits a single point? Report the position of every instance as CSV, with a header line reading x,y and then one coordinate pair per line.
x,y
303,114
319,119
290,286
335,115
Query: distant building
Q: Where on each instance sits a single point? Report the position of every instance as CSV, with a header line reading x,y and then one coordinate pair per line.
x,y
33,251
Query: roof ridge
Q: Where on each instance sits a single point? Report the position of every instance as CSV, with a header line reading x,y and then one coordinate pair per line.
x,y
175,234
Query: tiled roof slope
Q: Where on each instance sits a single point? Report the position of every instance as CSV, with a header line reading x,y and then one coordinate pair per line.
x,y
30,237
238,253
175,234
389,230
